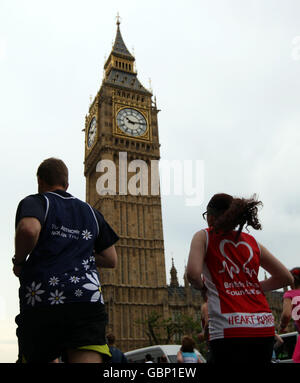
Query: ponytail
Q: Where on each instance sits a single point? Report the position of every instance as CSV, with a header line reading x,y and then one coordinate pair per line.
x,y
234,212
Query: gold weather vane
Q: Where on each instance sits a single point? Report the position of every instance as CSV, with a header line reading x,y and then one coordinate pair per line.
x,y
118,19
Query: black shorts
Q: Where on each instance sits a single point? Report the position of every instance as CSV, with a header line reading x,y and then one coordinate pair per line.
x,y
45,333
242,350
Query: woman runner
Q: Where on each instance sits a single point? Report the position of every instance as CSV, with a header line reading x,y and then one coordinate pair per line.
x,y
241,324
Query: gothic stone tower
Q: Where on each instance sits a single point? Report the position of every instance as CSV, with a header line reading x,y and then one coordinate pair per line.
x,y
123,119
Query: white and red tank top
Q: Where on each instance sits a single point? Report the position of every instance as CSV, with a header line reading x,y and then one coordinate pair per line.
x,y
237,306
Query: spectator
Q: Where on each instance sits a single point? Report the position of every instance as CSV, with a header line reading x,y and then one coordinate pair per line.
x,y
148,358
163,359
204,335
117,355
278,341
186,354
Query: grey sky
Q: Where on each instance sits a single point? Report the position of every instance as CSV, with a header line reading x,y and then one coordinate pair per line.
x,y
226,81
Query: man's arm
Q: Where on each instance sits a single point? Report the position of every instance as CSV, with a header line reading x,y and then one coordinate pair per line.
x,y
107,258
27,235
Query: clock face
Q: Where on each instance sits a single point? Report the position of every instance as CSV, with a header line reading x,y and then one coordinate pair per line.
x,y
92,132
131,122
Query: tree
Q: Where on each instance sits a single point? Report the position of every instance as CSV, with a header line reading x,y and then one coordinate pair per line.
x,y
152,326
170,330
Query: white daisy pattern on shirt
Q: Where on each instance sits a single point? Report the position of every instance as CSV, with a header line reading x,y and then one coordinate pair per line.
x,y
78,293
94,286
53,281
74,279
56,298
85,264
86,234
33,293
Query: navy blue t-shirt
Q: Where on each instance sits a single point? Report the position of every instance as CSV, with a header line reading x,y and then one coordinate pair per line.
x,y
117,355
61,268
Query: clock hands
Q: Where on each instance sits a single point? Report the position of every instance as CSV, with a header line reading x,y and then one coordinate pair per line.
x,y
130,122
135,122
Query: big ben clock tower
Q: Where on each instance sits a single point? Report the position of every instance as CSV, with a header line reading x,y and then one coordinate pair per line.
x,y
122,123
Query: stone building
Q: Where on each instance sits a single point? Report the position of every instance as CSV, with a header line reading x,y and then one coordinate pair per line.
x,y
122,151
121,170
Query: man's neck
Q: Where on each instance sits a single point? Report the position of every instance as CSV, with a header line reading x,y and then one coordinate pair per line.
x,y
52,188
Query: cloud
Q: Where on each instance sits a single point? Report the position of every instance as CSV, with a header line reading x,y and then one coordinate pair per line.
x,y
3,49
277,170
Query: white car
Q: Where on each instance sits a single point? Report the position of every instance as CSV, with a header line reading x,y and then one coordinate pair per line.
x,y
169,350
285,351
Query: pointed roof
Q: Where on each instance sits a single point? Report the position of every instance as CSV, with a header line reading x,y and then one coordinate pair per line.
x,y
174,279
125,80
121,76
119,46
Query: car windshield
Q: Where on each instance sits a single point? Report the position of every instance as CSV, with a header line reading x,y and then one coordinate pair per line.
x,y
172,358
285,351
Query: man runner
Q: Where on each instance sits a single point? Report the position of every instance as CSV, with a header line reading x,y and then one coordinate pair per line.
x,y
59,243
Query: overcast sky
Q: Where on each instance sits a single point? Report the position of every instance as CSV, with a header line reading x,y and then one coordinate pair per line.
x,y
226,75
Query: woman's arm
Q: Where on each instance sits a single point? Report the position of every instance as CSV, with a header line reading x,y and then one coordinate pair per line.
x,y
196,259
286,313
179,357
280,276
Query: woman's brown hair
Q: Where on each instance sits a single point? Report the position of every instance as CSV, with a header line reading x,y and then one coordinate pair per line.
x,y
187,344
230,212
296,274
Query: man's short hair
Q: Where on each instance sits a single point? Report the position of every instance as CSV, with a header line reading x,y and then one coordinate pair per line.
x,y
110,338
53,172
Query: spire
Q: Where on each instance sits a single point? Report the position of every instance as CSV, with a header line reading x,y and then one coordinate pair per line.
x,y
119,47
174,279
119,69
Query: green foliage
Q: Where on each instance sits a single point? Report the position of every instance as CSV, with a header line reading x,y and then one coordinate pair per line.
x,y
170,330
